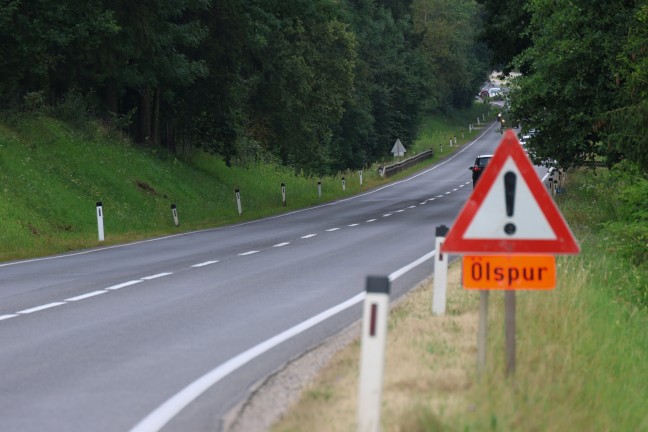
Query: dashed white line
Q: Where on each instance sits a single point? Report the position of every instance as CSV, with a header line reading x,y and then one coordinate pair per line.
x,y
455,190
40,308
439,196
85,296
386,215
281,244
354,224
371,220
411,207
203,264
4,317
462,185
423,203
155,276
248,253
125,284
400,211
332,229
448,193
307,236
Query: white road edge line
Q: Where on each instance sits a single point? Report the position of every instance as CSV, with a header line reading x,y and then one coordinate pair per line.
x,y
157,419
85,296
40,308
4,317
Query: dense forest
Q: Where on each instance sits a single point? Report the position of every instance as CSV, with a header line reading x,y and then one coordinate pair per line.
x,y
584,88
317,85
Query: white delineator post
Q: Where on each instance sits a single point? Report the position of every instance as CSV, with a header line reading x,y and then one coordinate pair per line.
x,y
440,273
319,189
372,360
360,172
174,213
283,194
343,184
238,201
100,226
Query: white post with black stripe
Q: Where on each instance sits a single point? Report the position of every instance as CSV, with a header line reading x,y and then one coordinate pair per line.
x,y
319,189
174,213
283,194
440,273
372,360
238,201
360,177
100,224
343,184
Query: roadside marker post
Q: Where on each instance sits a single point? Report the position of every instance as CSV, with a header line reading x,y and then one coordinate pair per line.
x,y
100,224
238,201
343,184
360,172
319,189
174,213
372,354
508,231
283,194
440,273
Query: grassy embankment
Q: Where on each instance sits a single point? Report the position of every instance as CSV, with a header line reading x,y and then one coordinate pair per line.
x,y
52,175
582,349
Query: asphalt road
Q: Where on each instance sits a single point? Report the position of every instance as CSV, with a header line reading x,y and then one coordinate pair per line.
x,y
169,334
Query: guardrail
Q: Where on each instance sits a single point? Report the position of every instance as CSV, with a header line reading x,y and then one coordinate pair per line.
x,y
390,170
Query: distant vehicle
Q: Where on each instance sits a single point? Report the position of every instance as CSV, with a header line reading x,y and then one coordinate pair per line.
x,y
480,165
494,92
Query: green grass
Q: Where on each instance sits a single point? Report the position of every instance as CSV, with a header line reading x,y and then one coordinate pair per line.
x,y
582,348
51,176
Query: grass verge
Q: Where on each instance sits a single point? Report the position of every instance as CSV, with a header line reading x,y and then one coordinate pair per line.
x,y
582,350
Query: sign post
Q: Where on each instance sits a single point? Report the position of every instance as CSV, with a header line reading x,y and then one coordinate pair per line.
x,y
508,231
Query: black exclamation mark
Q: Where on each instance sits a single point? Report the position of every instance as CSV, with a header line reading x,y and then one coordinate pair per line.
x,y
509,194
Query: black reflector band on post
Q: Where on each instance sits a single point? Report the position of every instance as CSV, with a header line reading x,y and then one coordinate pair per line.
x,y
378,284
442,231
99,204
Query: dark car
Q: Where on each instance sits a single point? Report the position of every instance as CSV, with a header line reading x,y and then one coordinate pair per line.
x,y
480,164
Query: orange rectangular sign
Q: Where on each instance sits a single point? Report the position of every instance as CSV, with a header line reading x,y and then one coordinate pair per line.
x,y
509,272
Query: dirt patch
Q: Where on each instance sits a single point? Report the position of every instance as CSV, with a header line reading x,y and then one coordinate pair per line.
x,y
145,187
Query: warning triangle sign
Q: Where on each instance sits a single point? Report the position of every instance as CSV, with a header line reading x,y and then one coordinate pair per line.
x,y
510,210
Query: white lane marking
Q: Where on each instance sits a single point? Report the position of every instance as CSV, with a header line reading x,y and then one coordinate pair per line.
x,y
332,229
155,276
371,220
462,185
157,419
40,308
354,224
448,193
412,206
400,211
307,236
281,244
386,215
248,253
203,264
125,284
85,296
423,203
545,177
169,409
439,196
455,189
4,317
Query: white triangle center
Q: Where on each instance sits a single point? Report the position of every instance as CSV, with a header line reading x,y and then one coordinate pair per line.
x,y
527,220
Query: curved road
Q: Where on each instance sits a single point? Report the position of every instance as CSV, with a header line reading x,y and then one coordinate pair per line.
x,y
169,334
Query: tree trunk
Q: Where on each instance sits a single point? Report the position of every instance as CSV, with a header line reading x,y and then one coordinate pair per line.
x,y
145,116
156,118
